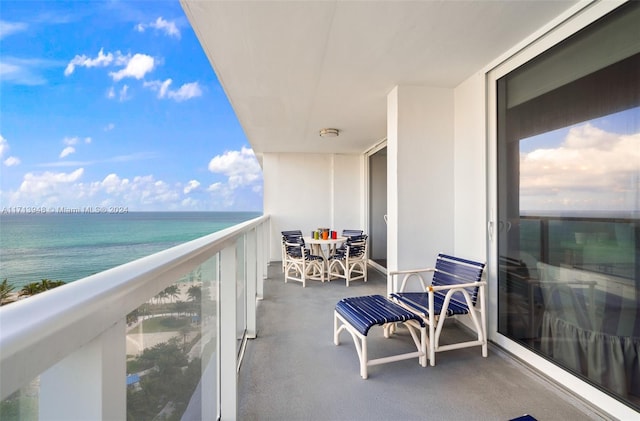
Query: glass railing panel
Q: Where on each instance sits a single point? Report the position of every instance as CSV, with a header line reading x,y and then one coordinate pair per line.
x,y
171,350
22,404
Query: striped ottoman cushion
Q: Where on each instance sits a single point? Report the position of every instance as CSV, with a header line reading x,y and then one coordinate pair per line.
x,y
366,311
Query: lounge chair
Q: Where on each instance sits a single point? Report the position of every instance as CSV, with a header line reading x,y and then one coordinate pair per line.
x,y
456,290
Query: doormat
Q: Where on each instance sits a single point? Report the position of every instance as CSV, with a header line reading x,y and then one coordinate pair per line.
x,y
525,417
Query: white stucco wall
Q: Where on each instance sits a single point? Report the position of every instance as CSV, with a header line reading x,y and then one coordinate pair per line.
x,y
307,191
420,196
470,192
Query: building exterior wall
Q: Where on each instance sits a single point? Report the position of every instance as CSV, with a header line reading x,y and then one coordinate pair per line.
x,y
307,191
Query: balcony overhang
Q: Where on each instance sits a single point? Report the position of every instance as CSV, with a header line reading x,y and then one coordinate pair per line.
x,y
290,69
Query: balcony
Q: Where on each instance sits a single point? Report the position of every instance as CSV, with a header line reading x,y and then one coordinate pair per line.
x,y
63,354
292,370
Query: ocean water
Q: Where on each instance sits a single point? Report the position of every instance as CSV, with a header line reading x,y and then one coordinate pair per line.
x,y
69,247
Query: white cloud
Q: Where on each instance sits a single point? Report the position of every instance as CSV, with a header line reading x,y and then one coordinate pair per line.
x,y
20,71
54,189
190,203
102,60
67,151
214,187
168,27
591,169
185,92
37,186
136,67
70,141
109,127
191,186
12,161
240,167
4,146
10,28
124,93
157,86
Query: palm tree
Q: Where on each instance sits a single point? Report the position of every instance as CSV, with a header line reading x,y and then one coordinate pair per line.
x,y
195,293
55,284
172,292
34,288
5,291
181,307
133,316
161,296
31,288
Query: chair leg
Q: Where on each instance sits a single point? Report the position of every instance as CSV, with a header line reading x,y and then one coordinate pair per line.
x,y
432,340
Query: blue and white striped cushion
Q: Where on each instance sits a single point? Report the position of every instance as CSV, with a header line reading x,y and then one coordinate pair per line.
x,y
449,271
366,311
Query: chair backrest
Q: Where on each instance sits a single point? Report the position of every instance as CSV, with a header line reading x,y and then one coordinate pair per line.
x,y
452,270
357,245
293,243
516,279
351,233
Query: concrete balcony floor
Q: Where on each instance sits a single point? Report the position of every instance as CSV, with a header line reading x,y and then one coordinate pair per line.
x,y
293,371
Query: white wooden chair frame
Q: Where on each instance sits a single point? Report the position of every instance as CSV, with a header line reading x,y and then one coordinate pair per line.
x,y
367,312
350,268
477,313
300,268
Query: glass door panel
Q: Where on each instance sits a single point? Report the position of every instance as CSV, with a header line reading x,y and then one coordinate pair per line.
x,y
569,205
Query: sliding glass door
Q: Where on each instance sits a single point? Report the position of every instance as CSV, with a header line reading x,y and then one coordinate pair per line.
x,y
378,207
569,204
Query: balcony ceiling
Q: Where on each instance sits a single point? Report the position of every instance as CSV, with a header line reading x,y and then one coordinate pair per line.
x,y
290,68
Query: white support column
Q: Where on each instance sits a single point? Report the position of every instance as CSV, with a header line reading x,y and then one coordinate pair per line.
x,y
89,384
420,176
252,281
114,372
228,321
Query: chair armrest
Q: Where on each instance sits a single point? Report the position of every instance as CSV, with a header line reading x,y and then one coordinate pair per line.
x,y
409,273
400,272
452,286
452,289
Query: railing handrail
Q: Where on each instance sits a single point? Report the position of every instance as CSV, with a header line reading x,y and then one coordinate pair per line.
x,y
38,332
585,218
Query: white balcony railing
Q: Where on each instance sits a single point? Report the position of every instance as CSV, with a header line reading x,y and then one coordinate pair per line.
x,y
69,345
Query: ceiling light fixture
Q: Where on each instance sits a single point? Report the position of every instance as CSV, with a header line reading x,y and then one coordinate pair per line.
x,y
329,132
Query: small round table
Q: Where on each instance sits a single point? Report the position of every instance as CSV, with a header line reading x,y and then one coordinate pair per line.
x,y
317,245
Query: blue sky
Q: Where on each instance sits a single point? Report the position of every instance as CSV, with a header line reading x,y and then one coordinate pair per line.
x,y
114,103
